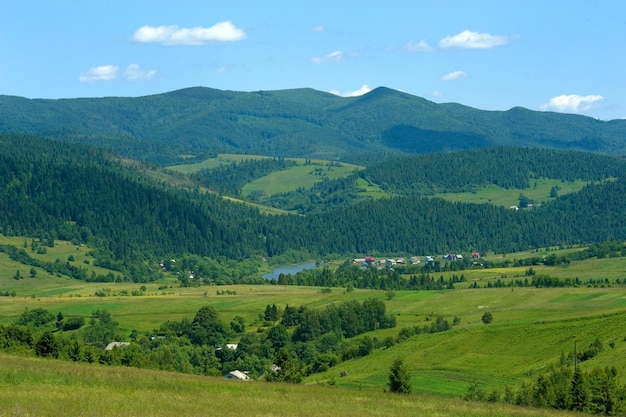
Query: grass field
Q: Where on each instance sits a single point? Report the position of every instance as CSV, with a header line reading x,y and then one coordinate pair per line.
x,y
539,191
299,176
532,328
37,387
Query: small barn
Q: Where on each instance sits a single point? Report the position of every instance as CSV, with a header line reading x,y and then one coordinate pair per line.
x,y
237,374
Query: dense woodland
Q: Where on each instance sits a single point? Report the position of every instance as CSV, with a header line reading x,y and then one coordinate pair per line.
x,y
55,190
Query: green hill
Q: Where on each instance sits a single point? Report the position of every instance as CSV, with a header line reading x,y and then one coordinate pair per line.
x,y
172,127
136,214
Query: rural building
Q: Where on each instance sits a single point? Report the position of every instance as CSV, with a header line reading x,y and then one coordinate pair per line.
x,y
237,374
114,345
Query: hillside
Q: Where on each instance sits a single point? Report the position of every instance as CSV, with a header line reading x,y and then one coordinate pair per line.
x,y
135,215
533,331
193,123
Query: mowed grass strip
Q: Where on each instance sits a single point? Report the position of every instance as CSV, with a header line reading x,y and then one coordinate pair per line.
x,y
36,387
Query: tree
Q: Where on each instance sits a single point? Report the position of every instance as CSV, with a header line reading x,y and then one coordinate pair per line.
x,y
487,318
524,201
206,328
399,378
271,313
238,324
47,346
580,393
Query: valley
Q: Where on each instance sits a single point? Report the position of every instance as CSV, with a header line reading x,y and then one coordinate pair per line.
x,y
159,234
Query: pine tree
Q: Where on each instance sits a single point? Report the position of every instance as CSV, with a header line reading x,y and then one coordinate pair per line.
x,y
580,394
399,378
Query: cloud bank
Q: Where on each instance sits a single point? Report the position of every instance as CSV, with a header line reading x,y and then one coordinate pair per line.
x,y
101,73
421,46
473,40
174,35
455,75
572,103
336,56
363,90
111,72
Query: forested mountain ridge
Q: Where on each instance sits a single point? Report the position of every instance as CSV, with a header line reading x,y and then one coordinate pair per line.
x,y
194,122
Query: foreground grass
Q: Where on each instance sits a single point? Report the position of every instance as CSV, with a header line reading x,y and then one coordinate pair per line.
x,y
36,387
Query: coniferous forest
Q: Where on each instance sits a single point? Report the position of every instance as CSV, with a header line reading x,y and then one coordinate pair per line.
x,y
59,190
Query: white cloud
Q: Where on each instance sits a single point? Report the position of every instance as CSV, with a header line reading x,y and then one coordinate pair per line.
x,y
174,35
421,46
101,73
437,93
336,56
454,75
572,103
318,29
363,90
134,72
473,40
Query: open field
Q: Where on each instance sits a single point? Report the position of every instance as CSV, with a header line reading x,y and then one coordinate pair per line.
x,y
299,176
539,191
532,327
36,387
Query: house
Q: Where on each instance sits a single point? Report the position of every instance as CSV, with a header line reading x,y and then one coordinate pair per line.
x,y
429,259
114,345
450,257
475,255
370,259
237,374
459,257
414,260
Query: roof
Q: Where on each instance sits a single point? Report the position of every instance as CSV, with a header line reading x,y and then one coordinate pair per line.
x,y
114,345
237,374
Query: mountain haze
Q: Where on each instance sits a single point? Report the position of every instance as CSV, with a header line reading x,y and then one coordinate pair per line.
x,y
195,122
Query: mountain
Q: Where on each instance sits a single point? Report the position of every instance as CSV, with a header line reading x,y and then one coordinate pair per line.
x,y
195,122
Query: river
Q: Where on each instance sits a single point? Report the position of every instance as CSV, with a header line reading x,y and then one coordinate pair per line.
x,y
289,269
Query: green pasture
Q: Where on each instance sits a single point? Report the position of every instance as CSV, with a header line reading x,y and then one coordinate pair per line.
x,y
299,176
370,190
39,387
211,163
539,191
532,327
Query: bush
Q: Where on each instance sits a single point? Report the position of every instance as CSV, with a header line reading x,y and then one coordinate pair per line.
x,y
487,318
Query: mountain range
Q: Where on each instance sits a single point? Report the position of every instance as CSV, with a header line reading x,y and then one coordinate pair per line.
x,y
192,123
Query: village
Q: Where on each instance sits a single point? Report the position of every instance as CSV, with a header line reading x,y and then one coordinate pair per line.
x,y
372,262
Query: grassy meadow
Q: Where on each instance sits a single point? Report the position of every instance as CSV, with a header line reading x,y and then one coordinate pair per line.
x,y
37,387
539,192
532,329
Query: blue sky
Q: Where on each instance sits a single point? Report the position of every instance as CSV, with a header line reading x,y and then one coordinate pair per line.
x,y
567,56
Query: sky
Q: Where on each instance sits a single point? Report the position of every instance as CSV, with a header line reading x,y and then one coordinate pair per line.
x,y
558,55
